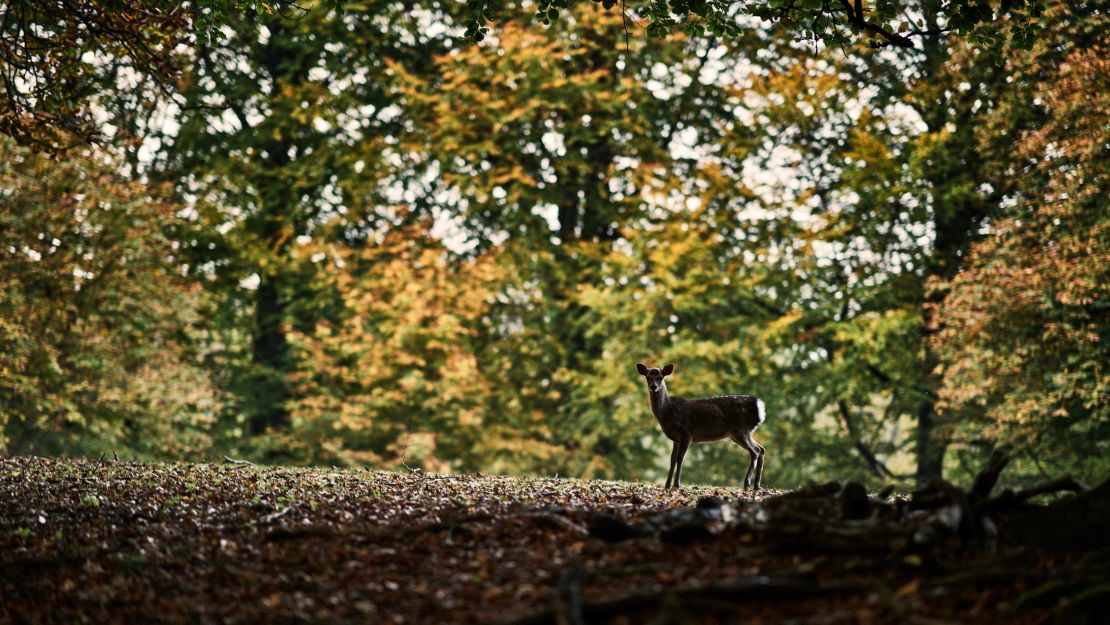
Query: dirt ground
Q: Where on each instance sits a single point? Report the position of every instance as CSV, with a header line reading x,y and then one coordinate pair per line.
x,y
87,541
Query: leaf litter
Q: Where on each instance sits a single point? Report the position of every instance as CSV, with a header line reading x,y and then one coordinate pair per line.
x,y
85,541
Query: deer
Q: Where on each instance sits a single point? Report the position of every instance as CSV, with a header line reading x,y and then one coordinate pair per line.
x,y
686,421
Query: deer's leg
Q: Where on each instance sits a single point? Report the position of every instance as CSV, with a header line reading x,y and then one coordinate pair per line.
x,y
681,445
745,441
670,472
759,463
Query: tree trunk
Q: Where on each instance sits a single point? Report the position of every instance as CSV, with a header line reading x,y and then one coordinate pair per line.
x,y
270,356
930,446
957,216
277,224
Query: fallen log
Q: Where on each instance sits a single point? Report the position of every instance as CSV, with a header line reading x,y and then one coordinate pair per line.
x,y
1009,499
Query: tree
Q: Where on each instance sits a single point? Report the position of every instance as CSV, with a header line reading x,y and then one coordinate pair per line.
x,y
546,149
287,125
59,58
392,378
95,319
890,179
883,22
878,191
1022,329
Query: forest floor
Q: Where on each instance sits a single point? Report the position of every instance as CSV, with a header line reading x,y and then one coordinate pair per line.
x,y
87,541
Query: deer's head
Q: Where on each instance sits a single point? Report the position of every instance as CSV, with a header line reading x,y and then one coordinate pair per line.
x,y
655,375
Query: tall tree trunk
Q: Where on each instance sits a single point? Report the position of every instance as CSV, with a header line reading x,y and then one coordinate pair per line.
x,y
270,356
277,225
929,446
958,213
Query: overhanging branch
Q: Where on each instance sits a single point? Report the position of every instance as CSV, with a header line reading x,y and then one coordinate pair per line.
x,y
856,18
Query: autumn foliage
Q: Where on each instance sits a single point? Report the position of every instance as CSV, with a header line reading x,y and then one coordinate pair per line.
x,y
1024,324
354,239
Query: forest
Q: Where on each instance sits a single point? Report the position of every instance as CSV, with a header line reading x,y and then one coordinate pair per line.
x,y
352,235
336,311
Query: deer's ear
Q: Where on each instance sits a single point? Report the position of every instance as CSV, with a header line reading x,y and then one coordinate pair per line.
x,y
641,368
668,369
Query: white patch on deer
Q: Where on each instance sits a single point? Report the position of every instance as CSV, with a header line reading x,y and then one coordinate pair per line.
x,y
762,410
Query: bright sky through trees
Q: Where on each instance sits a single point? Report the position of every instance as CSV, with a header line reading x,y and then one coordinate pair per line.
x,y
348,236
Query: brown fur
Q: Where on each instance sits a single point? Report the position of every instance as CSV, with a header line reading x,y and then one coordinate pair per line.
x,y
687,421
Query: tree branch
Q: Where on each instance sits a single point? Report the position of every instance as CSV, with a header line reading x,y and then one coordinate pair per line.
x,y
877,467
855,18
